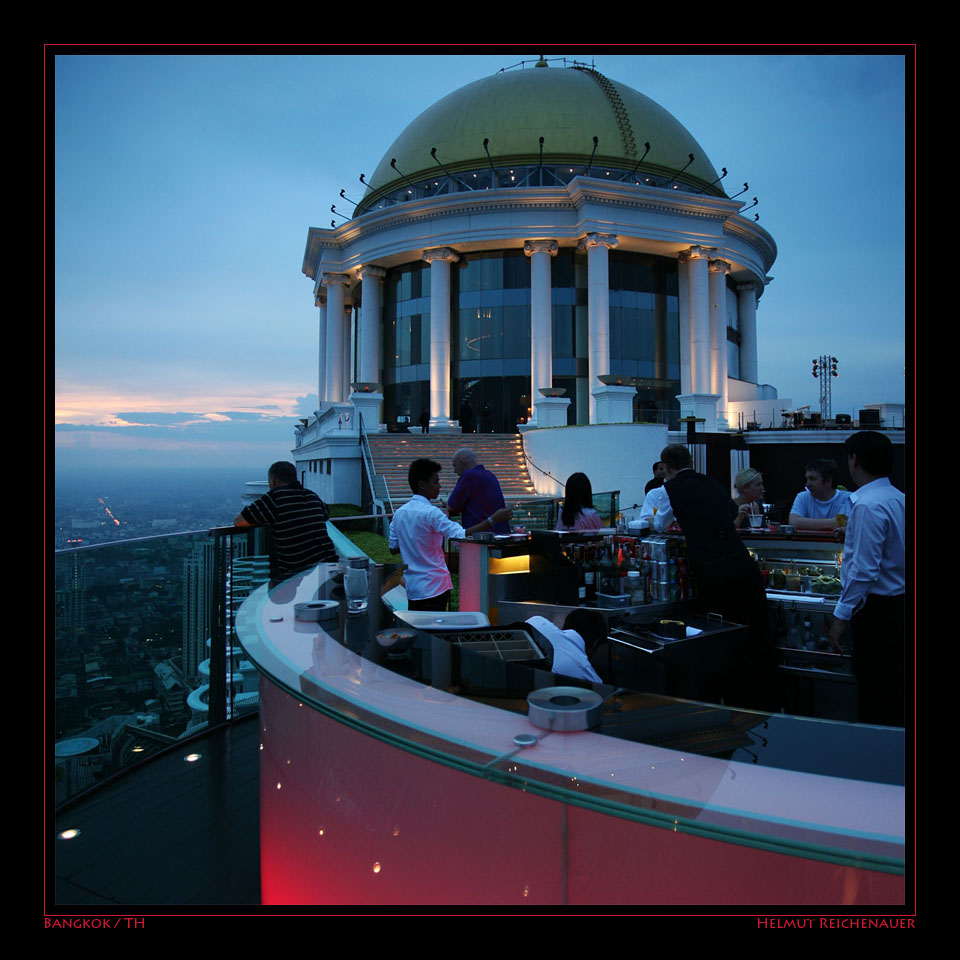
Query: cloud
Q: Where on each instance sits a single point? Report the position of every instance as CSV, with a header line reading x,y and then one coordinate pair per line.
x,y
143,418
246,415
156,418
251,441
306,405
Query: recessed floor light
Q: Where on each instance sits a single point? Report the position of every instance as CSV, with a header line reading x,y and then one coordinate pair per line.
x,y
69,834
190,757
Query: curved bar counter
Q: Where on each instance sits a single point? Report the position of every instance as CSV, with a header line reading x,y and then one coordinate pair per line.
x,y
377,788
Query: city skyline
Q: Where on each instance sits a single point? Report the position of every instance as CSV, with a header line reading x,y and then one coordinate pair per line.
x,y
185,185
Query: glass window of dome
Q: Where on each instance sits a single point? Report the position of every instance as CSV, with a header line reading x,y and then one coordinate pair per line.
x,y
520,175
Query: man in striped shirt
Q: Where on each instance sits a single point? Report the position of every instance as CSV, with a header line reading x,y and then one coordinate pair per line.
x,y
298,518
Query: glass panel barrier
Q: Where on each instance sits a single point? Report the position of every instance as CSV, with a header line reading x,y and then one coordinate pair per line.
x,y
140,647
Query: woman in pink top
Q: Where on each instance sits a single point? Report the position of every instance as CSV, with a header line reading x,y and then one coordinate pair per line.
x,y
578,512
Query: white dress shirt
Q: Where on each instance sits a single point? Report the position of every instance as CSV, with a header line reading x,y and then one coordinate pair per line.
x,y
873,550
663,517
418,529
569,650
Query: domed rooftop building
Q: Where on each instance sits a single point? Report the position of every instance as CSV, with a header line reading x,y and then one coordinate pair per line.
x,y
539,248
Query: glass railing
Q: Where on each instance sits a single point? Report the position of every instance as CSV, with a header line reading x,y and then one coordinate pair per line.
x,y
145,653
145,650
542,514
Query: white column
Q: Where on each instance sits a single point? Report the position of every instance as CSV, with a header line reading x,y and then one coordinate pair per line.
x,y
440,259
698,296
686,341
334,385
321,302
698,400
597,246
541,319
350,312
747,322
369,338
718,336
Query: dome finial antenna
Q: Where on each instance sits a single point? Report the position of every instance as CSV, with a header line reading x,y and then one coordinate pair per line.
x,y
542,62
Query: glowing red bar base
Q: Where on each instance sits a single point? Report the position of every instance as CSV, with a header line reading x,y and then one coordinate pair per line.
x,y
348,819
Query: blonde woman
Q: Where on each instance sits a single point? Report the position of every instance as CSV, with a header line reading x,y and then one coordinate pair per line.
x,y
749,499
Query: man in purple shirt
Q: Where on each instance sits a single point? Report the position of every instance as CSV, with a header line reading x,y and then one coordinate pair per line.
x,y
477,494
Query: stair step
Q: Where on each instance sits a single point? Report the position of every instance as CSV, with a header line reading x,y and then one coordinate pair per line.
x,y
502,454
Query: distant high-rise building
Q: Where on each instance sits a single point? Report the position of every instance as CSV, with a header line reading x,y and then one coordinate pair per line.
x,y
245,573
197,594
71,595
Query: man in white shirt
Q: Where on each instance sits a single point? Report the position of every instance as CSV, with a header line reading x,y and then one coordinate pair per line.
x,y
874,579
656,509
816,508
417,532
581,634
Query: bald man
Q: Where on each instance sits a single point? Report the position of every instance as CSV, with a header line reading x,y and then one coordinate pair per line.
x,y
477,494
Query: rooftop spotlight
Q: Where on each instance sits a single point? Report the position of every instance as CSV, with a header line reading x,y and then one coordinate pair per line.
x,y
364,182
393,163
690,159
592,155
433,153
715,182
752,205
344,196
333,209
486,142
646,150
746,187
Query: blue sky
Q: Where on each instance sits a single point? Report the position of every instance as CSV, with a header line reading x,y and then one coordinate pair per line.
x,y
185,185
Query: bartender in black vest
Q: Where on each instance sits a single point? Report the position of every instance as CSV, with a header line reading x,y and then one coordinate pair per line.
x,y
728,580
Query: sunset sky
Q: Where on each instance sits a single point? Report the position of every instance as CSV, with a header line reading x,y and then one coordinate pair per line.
x,y
184,186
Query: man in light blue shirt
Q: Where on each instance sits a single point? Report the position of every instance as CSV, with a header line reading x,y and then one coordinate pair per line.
x,y
874,580
816,508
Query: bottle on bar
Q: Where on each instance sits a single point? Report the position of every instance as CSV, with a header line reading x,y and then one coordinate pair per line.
x,y
590,575
609,576
581,575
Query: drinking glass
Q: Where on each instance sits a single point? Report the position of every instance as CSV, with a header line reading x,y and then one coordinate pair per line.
x,y
355,586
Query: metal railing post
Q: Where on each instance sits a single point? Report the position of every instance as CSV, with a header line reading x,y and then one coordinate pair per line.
x,y
216,696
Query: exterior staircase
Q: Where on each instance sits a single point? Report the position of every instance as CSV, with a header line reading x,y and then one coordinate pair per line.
x,y
500,453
